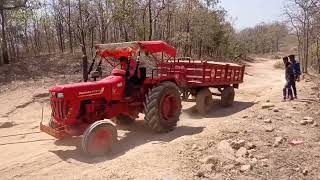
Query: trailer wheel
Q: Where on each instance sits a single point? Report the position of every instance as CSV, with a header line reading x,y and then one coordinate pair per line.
x,y
163,107
123,120
227,96
204,101
99,138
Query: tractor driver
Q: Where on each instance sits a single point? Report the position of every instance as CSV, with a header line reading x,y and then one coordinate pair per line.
x,y
130,67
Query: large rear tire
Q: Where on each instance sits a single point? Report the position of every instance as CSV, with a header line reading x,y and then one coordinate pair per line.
x,y
123,120
227,96
99,138
204,101
163,107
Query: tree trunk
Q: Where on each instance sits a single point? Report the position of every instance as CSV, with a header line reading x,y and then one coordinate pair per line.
x,y
150,20
200,49
69,27
83,46
47,38
4,43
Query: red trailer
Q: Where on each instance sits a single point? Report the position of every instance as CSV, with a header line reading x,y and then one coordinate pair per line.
x,y
84,108
196,77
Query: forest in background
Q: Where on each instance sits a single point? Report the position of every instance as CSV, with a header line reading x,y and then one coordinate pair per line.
x,y
197,28
194,27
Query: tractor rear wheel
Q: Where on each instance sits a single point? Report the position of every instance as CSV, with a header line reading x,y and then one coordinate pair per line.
x,y
227,96
163,107
99,138
204,101
123,120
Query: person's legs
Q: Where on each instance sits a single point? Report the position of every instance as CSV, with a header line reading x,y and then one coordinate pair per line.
x,y
293,84
285,91
289,87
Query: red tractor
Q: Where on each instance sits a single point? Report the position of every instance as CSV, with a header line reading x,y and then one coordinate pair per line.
x,y
82,108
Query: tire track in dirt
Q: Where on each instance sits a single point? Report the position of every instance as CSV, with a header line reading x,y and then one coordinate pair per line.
x,y
41,97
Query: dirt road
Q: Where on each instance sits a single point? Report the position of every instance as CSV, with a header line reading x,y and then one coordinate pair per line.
x,y
28,154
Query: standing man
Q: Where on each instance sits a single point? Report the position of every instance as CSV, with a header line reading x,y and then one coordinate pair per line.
x,y
289,75
297,73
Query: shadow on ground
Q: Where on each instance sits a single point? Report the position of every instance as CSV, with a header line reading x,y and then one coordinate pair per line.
x,y
136,135
218,111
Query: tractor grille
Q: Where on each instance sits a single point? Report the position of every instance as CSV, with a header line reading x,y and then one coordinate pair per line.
x,y
59,109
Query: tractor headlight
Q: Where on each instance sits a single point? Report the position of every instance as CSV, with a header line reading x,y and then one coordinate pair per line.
x,y
60,95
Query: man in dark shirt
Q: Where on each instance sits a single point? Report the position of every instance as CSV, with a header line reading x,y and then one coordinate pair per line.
x,y
296,72
289,75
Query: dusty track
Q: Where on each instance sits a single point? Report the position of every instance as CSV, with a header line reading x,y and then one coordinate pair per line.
x,y
141,154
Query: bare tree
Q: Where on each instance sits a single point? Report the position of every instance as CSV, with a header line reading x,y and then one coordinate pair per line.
x,y
6,5
301,14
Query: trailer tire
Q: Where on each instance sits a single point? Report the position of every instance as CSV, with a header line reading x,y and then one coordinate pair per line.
x,y
204,101
227,96
162,107
99,138
123,120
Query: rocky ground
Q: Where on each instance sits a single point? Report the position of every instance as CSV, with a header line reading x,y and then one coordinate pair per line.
x,y
260,137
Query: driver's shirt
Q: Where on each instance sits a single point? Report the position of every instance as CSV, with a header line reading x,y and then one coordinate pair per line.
x,y
133,66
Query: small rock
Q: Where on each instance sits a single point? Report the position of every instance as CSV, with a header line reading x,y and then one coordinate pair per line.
x,y
268,121
194,147
253,161
276,110
269,129
260,117
278,141
226,150
200,174
250,146
240,161
268,101
245,116
315,124
304,122
267,105
245,168
250,155
238,144
309,120
305,172
288,116
207,168
242,143
242,152
210,160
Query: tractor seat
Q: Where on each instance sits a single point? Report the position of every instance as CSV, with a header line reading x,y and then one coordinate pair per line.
x,y
118,72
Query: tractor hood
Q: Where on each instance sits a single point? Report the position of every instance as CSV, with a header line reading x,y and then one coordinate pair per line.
x,y
108,88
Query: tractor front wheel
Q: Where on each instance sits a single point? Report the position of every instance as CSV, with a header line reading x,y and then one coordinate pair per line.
x,y
163,107
99,138
204,101
227,96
